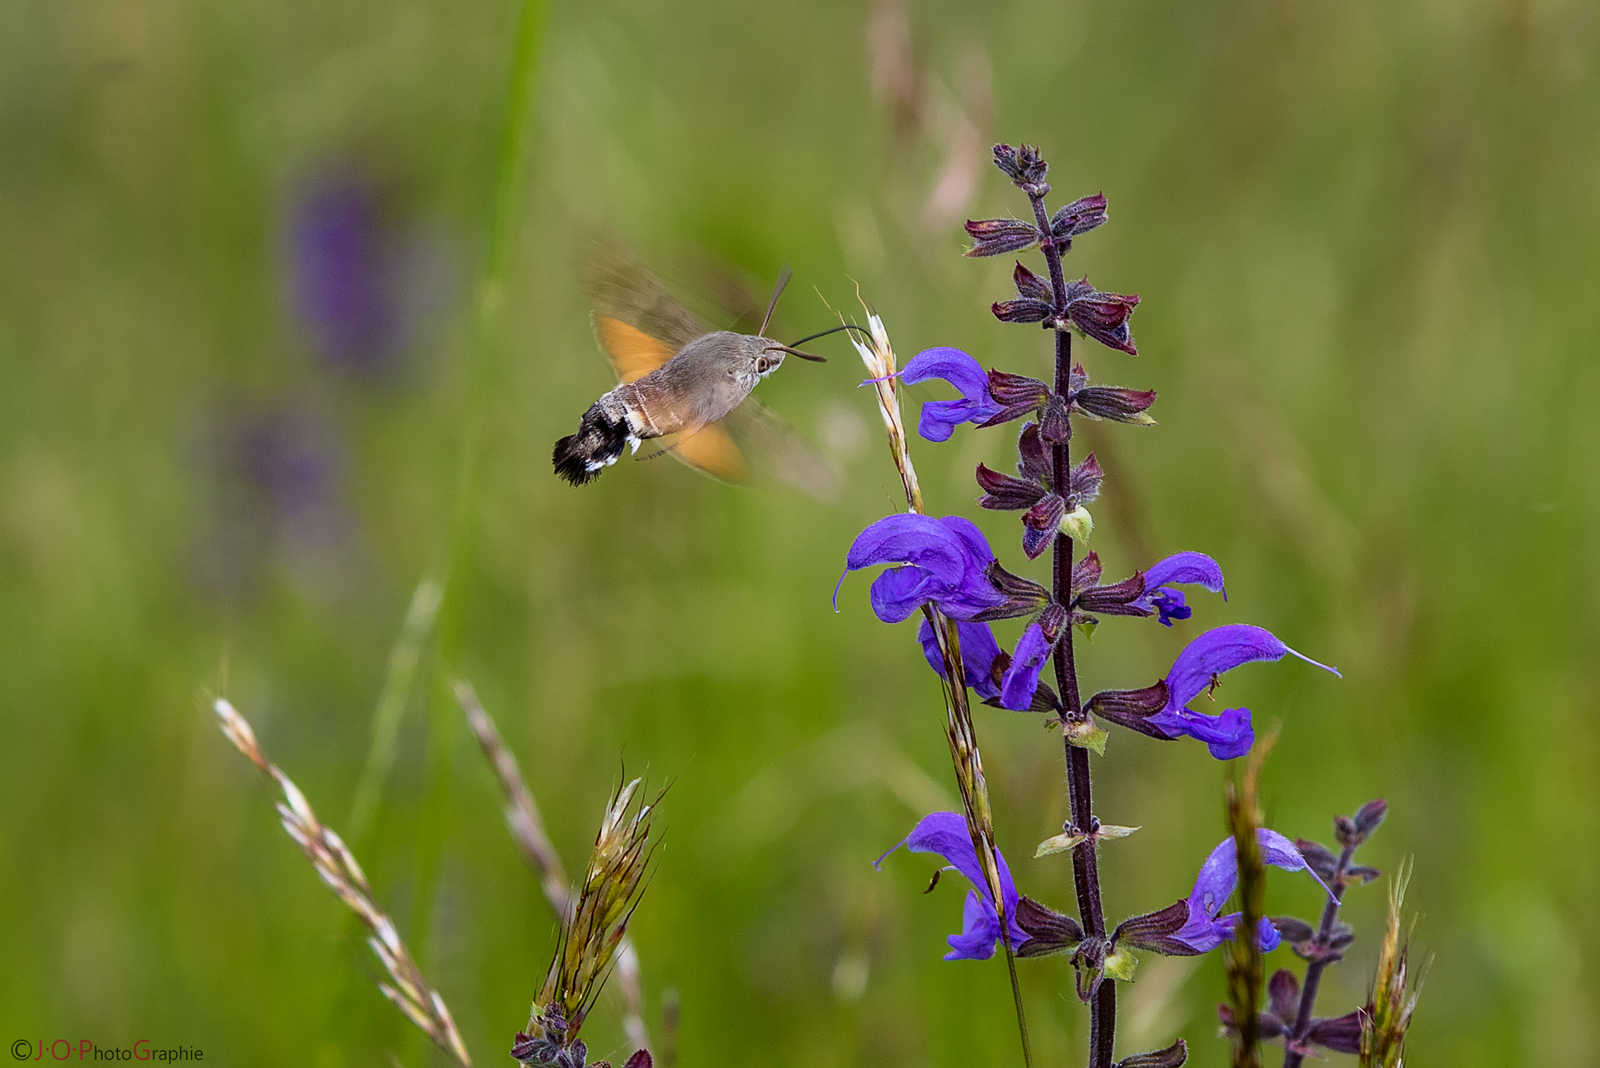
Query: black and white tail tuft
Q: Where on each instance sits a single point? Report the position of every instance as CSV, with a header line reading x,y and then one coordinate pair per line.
x,y
580,457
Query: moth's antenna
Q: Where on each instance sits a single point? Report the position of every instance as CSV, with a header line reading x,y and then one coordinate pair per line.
x,y
777,291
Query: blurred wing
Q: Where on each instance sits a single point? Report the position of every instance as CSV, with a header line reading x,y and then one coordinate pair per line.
x,y
621,289
631,351
775,448
708,449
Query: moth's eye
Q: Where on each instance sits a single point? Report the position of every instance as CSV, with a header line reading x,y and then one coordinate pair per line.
x,y
763,365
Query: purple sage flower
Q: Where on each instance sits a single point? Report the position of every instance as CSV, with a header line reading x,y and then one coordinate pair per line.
x,y
943,562
940,418
1202,660
1196,569
945,834
1022,677
1015,685
1205,930
979,651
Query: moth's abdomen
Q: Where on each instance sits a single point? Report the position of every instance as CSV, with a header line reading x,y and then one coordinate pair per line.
x,y
614,422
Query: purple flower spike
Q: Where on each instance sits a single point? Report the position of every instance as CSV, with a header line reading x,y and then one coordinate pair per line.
x,y
944,564
940,418
1022,677
1195,569
945,834
1206,931
978,654
1214,652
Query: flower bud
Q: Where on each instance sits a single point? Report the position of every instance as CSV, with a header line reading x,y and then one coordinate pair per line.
x,y
1370,815
1002,493
1040,523
1078,524
1012,391
1116,403
1048,931
1283,993
1341,1034
995,237
1024,166
1171,1057
1353,830
1153,931
1079,217
1033,459
1293,930
1086,573
1084,482
1131,708
1021,310
1031,286
1054,426
1103,316
1118,599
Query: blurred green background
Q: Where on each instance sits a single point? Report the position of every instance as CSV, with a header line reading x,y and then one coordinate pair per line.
x,y
239,249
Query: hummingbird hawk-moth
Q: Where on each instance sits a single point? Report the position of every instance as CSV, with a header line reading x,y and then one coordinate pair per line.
x,y
681,385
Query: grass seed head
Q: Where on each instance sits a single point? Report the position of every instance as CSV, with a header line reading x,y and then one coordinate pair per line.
x,y
593,931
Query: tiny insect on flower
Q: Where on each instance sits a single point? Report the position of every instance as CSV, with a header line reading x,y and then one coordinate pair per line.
x,y
1205,930
945,834
1216,651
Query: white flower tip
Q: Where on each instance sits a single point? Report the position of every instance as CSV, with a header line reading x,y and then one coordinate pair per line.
x,y
1316,663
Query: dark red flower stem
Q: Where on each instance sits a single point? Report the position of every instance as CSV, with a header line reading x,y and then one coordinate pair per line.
x,y
1080,791
1308,993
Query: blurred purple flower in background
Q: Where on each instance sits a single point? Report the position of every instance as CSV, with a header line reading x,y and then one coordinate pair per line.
x,y
1205,930
275,476
342,271
945,834
361,281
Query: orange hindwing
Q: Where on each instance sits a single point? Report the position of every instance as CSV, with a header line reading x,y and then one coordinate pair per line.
x,y
631,351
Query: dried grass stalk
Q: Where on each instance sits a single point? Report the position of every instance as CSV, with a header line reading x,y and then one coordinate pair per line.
x,y
879,358
527,830
336,866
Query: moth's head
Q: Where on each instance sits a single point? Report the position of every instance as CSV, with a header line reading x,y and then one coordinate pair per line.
x,y
767,355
